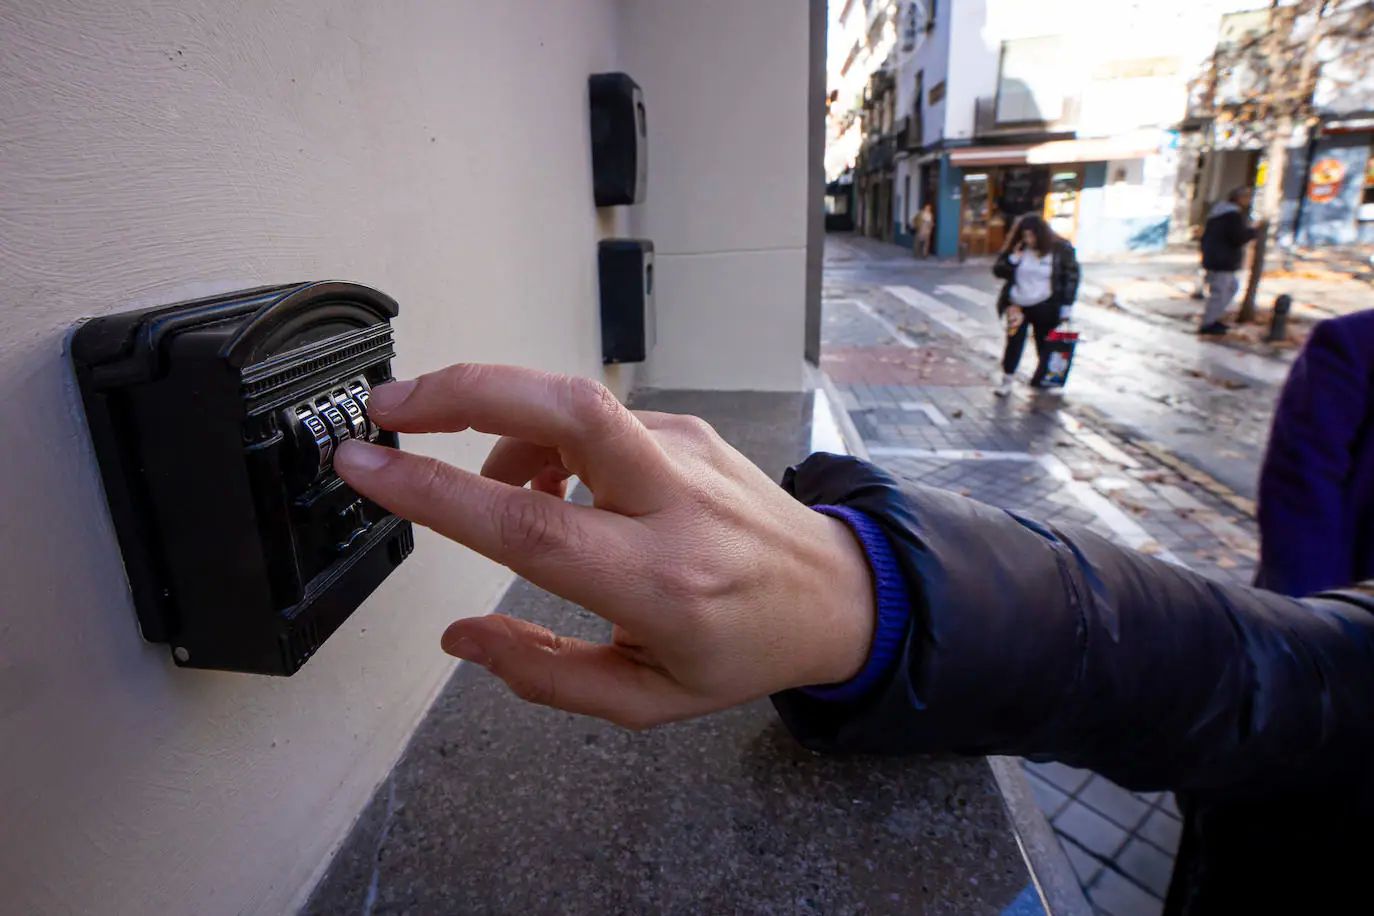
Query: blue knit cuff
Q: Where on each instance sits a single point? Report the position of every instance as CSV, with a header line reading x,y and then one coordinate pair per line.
x,y
893,603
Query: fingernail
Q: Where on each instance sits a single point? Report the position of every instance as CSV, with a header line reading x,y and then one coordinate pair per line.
x,y
362,456
468,650
390,395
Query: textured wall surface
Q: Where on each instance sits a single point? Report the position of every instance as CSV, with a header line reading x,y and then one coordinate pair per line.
x,y
156,150
726,88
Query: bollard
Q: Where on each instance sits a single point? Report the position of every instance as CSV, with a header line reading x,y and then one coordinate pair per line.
x,y
1278,323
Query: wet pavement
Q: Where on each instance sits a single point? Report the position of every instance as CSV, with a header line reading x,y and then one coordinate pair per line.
x,y
1155,382
1155,444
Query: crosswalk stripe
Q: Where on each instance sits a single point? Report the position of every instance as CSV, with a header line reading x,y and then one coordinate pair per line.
x,y
969,294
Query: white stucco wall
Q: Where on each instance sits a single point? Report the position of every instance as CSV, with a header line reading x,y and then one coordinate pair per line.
x,y
160,149
725,84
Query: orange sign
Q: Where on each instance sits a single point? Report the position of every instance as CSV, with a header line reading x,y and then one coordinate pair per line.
x,y
1327,175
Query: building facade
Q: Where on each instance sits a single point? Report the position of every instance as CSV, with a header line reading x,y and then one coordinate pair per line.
x,y
1074,110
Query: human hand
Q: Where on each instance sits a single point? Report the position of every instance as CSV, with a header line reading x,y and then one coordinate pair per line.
x,y
1015,317
721,587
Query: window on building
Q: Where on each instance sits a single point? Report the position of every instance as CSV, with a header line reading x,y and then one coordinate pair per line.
x,y
917,123
906,202
1033,80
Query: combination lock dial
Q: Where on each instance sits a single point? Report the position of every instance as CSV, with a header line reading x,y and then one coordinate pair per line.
x,y
319,423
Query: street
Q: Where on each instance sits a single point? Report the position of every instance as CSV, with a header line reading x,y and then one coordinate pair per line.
x,y
1200,400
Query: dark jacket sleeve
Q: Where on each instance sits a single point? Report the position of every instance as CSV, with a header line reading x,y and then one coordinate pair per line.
x,y
1307,517
1054,645
1002,268
1238,229
1066,274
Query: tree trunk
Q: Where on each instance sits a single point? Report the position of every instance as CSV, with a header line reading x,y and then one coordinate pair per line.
x,y
1270,202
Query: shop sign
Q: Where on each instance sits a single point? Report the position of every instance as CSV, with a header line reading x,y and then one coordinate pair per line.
x,y
1327,175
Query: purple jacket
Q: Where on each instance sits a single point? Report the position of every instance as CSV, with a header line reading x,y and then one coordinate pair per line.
x,y
1316,492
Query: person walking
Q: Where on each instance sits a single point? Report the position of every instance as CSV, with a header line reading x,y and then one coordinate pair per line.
x,y
1224,238
923,227
1041,274
1316,489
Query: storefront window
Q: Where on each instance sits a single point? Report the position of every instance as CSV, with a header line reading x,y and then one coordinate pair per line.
x,y
976,198
1061,203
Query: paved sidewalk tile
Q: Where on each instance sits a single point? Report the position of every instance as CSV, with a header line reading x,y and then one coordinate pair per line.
x,y
1065,778
1117,804
1050,799
1162,830
1085,865
1119,896
1091,830
1147,865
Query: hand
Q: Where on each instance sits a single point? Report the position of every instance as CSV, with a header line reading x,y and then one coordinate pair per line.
x,y
1065,314
1015,318
721,587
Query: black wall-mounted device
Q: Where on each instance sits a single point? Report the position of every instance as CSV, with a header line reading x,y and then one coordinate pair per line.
x,y
626,270
215,423
619,139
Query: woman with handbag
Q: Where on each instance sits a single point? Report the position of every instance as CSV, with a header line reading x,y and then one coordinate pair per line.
x,y
1041,274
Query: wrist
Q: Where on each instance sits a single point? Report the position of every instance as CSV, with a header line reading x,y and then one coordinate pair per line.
x,y
848,612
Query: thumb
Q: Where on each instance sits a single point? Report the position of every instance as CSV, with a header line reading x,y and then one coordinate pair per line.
x,y
539,666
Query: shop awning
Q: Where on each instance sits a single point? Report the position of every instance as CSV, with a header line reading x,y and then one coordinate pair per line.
x,y
973,156
1053,152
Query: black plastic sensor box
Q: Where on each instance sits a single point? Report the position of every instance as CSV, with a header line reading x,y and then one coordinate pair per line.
x,y
620,154
625,270
215,423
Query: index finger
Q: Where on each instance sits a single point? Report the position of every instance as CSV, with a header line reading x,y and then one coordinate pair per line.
x,y
599,439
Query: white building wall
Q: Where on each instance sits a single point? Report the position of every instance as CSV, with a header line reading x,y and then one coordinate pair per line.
x,y
726,203
859,38
1131,60
161,149
972,56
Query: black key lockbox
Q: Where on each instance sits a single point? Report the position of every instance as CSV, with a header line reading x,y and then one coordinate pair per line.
x,y
620,139
215,423
625,271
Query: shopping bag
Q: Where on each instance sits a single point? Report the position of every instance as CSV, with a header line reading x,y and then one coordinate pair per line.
x,y
1056,359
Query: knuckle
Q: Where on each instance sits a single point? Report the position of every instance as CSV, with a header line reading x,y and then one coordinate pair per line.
x,y
691,589
591,403
696,428
533,688
459,378
526,525
433,483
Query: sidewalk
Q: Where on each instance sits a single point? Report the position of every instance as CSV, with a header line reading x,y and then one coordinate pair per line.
x,y
1323,283
921,402
1158,286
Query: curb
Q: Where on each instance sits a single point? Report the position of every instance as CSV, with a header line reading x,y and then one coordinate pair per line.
x,y
1194,475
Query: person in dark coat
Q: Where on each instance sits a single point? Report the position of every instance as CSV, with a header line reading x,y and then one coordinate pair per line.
x,y
884,616
1316,490
1224,238
1041,273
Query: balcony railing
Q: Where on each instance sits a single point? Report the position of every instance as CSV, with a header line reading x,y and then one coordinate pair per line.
x,y
986,123
908,133
878,153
